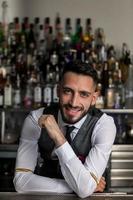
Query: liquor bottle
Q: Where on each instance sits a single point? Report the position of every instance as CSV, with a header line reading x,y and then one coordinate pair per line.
x,y
100,99
5,18
58,33
88,36
47,94
1,34
28,97
125,61
41,35
119,92
105,78
129,88
1,96
67,35
31,36
36,28
23,39
49,40
17,94
46,26
110,94
78,35
55,97
38,93
16,22
53,69
8,92
26,24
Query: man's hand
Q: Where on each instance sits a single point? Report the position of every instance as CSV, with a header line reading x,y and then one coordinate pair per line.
x,y
49,122
101,185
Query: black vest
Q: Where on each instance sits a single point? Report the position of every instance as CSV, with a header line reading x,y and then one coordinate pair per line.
x,y
81,144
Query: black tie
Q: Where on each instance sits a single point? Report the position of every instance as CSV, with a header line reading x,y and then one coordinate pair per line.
x,y
69,129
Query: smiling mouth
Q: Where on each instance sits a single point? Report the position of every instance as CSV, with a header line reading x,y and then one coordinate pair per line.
x,y
72,110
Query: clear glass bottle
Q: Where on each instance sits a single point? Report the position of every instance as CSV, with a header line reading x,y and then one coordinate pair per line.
x,y
8,93
129,88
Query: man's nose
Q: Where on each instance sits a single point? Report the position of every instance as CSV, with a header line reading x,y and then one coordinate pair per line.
x,y
74,100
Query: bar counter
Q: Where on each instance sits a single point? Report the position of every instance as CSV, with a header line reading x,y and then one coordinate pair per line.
x,y
48,196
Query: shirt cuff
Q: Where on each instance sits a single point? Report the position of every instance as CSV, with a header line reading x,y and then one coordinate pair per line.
x,y
65,152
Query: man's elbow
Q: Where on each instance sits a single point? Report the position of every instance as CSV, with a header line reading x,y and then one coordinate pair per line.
x,y
84,192
18,183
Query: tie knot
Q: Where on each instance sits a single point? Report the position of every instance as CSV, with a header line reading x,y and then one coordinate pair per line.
x,y
69,129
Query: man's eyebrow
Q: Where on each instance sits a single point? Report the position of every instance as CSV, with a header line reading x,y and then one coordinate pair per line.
x,y
81,91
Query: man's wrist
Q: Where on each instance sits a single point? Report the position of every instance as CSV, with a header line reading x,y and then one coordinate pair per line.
x,y
59,141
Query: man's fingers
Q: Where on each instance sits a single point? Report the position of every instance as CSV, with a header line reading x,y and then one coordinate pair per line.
x,y
101,185
41,121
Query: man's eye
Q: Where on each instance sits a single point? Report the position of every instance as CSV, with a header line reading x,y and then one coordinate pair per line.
x,y
66,91
84,94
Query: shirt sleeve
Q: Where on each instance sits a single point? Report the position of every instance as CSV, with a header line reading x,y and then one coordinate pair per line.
x,y
78,175
25,180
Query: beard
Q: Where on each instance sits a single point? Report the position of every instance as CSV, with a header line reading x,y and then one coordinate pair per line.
x,y
72,120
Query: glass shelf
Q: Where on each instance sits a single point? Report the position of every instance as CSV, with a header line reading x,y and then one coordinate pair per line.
x,y
118,111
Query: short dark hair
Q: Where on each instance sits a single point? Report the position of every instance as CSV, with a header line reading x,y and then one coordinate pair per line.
x,y
82,68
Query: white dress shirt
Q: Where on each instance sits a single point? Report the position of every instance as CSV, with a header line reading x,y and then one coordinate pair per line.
x,y
77,176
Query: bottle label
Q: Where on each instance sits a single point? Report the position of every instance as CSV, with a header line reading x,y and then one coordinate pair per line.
x,y
7,96
129,94
110,99
55,97
47,95
37,95
17,98
1,100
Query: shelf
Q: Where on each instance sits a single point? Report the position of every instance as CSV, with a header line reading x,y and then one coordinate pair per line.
x,y
8,150
118,111
121,111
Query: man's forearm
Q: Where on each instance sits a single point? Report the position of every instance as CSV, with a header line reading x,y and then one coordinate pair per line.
x,y
29,182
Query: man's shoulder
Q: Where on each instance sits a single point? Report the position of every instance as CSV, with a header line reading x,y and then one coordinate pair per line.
x,y
106,119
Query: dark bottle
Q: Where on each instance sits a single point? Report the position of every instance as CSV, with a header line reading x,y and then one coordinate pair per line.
x,y
49,40
38,93
119,92
67,35
26,23
46,26
1,97
17,94
36,28
77,36
105,78
30,35
58,34
17,26
88,36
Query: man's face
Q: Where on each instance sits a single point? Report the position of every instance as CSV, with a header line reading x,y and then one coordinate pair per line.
x,y
76,94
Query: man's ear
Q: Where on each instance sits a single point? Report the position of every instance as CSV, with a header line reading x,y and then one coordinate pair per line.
x,y
94,98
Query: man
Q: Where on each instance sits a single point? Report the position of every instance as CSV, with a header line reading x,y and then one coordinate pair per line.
x,y
46,161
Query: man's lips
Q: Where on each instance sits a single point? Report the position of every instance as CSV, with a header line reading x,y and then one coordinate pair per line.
x,y
72,111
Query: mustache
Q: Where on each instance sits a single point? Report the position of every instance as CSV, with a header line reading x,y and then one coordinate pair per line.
x,y
69,106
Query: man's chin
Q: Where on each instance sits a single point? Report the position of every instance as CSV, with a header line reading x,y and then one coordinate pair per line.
x,y
71,120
